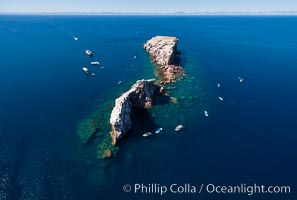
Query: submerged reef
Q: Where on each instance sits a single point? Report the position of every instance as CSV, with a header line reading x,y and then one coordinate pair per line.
x,y
87,128
139,96
95,127
163,50
95,124
106,150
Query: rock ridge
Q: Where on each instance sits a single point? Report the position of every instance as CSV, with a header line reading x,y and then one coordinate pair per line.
x,y
140,95
163,50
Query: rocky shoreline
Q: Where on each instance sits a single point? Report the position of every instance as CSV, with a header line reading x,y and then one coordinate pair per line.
x,y
163,50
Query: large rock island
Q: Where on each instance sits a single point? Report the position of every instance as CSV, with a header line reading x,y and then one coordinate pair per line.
x,y
139,96
163,50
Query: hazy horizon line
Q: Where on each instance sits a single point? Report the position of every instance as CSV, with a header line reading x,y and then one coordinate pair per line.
x,y
156,13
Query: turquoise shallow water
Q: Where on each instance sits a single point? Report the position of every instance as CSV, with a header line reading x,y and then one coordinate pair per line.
x,y
249,137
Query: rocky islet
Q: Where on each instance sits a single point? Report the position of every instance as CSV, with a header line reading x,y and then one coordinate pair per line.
x,y
139,96
164,53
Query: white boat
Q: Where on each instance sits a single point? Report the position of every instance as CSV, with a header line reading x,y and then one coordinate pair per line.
x,y
85,69
135,57
147,134
218,85
89,52
240,79
221,98
158,130
206,113
120,82
179,127
75,38
95,63
93,74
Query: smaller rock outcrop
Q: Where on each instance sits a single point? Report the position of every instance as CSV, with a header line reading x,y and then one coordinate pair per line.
x,y
163,50
139,96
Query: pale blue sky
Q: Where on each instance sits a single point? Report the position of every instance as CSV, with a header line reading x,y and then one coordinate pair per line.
x,y
147,6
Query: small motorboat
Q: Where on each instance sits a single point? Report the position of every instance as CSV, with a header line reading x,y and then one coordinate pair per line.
x,y
240,79
134,57
120,82
179,127
85,69
218,85
89,52
75,38
93,74
221,98
95,63
158,130
206,113
147,134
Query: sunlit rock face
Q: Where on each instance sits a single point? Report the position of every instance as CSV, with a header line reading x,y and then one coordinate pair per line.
x,y
139,96
163,50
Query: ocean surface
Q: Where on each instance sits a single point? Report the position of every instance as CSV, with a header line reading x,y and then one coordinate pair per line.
x,y
249,137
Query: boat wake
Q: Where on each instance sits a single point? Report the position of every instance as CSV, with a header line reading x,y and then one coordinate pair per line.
x,y
63,30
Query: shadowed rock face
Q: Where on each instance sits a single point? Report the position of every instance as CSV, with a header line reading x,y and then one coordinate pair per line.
x,y
139,96
163,50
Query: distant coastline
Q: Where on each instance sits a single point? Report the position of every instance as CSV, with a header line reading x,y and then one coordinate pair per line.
x,y
268,13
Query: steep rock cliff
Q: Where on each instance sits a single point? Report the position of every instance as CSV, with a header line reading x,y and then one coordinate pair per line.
x,y
139,96
163,50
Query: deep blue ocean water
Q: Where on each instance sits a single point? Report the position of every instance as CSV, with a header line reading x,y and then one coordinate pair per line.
x,y
250,137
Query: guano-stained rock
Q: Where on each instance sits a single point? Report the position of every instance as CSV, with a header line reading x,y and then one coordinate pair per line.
x,y
139,96
163,50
